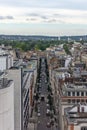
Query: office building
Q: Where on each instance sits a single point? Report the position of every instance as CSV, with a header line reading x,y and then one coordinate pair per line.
x,y
6,104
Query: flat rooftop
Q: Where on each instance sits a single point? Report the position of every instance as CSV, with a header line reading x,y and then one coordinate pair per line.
x,y
4,82
76,114
68,86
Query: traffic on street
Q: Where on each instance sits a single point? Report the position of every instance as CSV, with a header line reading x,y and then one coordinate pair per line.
x,y
44,98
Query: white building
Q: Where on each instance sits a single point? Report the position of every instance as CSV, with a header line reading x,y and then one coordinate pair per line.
x,y
15,75
23,83
6,104
6,61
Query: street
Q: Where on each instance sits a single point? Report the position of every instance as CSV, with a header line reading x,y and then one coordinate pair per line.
x,y
43,119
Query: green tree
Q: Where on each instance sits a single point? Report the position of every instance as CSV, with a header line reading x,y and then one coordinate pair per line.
x,y
65,46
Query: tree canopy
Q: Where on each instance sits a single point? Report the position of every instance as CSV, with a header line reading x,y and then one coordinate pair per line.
x,y
32,44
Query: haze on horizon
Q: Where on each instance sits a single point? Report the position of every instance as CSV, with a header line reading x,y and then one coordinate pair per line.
x,y
43,17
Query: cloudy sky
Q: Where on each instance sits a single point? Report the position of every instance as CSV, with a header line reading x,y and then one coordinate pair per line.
x,y
43,17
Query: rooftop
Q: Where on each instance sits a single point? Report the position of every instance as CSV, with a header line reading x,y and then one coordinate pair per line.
x,y
72,86
76,114
4,82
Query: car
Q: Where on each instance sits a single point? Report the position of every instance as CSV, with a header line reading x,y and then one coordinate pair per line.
x,y
38,101
52,121
48,124
40,86
47,104
38,122
48,112
42,98
38,110
38,114
45,81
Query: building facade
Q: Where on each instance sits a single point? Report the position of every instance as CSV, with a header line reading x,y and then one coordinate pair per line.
x,y
23,86
75,118
6,104
6,61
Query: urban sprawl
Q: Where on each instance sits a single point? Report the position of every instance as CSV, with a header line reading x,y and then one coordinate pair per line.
x,y
44,90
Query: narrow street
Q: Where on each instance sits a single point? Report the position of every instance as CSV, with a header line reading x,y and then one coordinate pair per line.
x,y
43,108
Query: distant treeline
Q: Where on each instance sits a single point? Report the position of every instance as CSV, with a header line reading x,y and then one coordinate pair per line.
x,y
32,44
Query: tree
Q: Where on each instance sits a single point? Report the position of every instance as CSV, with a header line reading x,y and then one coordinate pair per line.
x,y
65,46
36,97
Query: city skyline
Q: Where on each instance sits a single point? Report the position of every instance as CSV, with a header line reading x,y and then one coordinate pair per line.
x,y
43,17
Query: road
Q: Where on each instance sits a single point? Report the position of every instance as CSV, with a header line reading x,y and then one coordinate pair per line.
x,y
42,106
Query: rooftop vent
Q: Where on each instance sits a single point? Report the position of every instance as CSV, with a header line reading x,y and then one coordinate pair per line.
x,y
3,82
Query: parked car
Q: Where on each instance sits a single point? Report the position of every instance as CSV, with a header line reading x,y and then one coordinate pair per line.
x,y
38,110
48,106
42,98
48,124
38,114
52,121
38,101
48,112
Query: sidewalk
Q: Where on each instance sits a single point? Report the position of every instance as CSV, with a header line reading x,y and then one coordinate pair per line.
x,y
33,122
31,126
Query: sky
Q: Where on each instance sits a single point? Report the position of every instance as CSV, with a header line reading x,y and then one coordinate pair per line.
x,y
43,17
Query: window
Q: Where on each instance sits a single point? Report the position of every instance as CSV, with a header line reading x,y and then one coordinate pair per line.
x,y
84,128
82,93
73,101
77,93
73,93
69,94
69,101
82,100
78,100
86,93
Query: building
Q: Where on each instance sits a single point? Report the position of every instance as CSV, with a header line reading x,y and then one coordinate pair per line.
x,y
15,75
6,104
84,58
68,80
23,78
71,91
57,75
68,90
75,118
6,60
